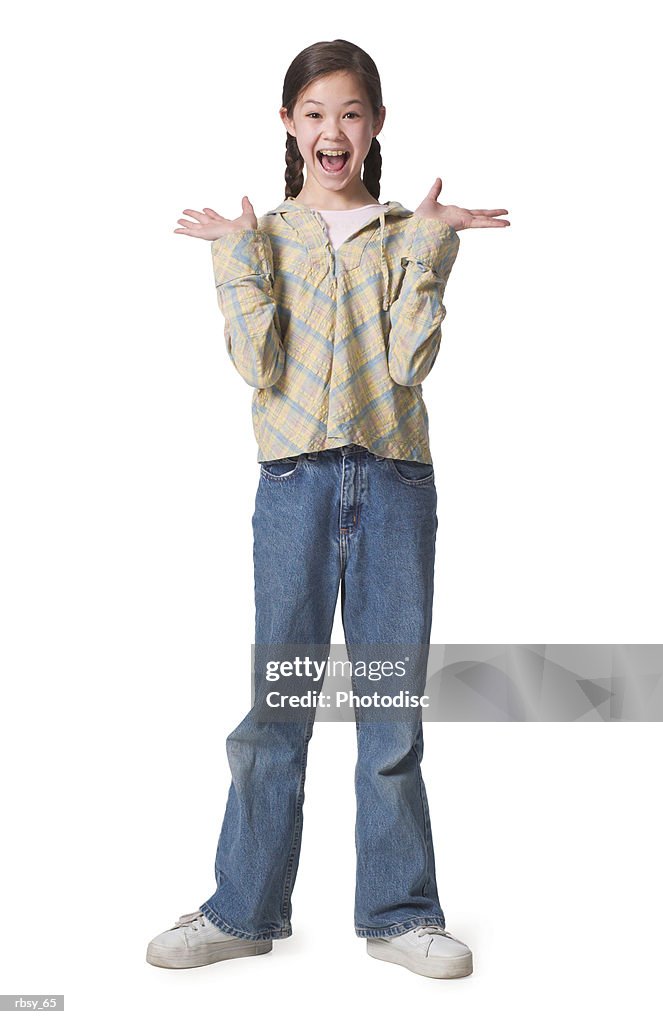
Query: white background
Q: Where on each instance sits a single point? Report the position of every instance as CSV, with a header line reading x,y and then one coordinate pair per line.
x,y
129,474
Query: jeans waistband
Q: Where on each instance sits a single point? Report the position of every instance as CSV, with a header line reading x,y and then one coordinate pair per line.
x,y
343,450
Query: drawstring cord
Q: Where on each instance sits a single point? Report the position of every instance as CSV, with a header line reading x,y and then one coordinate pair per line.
x,y
383,263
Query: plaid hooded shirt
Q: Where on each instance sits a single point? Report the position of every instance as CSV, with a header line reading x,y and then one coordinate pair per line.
x,y
336,343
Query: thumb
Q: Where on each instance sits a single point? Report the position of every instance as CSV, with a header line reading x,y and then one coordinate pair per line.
x,y
435,189
245,204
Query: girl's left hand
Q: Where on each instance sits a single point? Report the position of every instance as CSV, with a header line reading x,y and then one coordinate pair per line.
x,y
456,216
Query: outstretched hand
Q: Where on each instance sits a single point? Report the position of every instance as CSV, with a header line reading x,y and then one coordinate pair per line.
x,y
457,217
212,225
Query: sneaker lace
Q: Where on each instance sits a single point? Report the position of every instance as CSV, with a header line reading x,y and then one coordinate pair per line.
x,y
434,929
193,919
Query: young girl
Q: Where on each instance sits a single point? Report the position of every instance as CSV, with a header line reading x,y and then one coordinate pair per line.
x,y
333,305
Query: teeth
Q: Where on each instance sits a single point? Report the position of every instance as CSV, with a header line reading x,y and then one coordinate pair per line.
x,y
333,152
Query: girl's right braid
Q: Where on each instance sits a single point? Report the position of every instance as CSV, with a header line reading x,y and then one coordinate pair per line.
x,y
294,168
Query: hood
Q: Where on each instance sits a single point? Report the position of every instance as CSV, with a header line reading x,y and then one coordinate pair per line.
x,y
394,209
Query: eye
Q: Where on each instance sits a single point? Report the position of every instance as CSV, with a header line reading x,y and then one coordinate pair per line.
x,y
314,113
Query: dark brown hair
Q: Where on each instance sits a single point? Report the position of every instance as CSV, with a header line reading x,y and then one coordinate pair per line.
x,y
315,61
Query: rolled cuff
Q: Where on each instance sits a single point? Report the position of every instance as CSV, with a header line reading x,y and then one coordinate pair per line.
x,y
431,242
242,253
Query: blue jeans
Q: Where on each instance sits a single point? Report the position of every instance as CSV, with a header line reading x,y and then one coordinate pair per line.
x,y
367,523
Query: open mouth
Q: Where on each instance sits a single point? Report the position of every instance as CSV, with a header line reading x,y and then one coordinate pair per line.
x,y
333,164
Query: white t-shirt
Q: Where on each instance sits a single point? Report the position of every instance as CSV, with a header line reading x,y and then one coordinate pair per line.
x,y
343,223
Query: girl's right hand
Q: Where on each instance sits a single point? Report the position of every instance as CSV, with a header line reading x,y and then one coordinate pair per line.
x,y
212,225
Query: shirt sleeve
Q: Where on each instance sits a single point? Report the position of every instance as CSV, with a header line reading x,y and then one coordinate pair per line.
x,y
417,312
244,276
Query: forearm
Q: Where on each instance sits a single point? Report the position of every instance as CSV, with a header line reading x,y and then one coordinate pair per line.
x,y
417,313
244,277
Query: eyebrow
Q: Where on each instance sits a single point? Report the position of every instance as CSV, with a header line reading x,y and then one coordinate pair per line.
x,y
346,104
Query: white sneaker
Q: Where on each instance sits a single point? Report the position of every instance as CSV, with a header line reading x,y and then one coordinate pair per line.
x,y
194,941
429,950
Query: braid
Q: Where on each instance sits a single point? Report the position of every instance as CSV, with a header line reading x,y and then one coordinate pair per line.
x,y
294,168
373,169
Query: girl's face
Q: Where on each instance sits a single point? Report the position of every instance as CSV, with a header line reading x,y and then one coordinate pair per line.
x,y
333,113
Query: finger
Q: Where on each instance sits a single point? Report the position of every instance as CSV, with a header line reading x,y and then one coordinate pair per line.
x,y
212,213
487,213
197,215
488,222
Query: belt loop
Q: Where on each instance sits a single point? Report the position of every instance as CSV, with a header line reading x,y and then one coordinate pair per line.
x,y
312,456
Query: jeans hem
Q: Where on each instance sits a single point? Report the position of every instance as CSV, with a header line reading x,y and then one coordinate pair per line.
x,y
398,929
267,933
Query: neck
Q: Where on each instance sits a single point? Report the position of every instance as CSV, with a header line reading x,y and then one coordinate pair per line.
x,y
315,196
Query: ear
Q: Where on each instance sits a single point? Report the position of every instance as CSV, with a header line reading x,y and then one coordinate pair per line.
x,y
379,121
287,121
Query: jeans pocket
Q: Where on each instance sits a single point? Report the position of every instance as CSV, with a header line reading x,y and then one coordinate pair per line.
x,y
413,473
280,469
